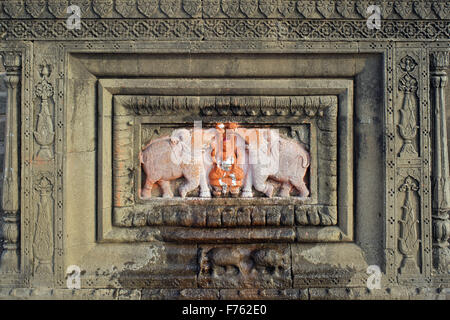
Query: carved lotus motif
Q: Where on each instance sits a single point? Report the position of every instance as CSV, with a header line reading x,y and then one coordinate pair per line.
x,y
442,9
404,9
407,64
326,8
386,8
268,7
306,8
286,8
192,7
231,8
147,7
85,5
211,8
423,9
58,7
439,60
35,7
169,7
13,8
125,7
407,83
102,7
249,7
345,8
361,8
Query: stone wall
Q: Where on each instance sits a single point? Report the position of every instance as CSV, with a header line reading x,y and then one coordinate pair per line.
x,y
83,103
3,96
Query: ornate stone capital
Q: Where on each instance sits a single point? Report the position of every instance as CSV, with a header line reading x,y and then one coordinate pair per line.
x,y
439,60
12,61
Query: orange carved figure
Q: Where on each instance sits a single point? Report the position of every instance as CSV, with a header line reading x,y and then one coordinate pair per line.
x,y
226,175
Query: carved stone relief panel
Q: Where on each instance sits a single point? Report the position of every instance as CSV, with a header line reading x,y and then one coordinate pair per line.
x,y
360,111
307,122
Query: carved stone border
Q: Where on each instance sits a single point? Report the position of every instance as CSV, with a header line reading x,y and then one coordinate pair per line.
x,y
250,9
110,89
223,29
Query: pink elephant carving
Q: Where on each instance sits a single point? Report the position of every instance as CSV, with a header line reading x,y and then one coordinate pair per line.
x,y
281,159
169,158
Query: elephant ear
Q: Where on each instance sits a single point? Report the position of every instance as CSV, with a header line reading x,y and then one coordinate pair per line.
x,y
181,150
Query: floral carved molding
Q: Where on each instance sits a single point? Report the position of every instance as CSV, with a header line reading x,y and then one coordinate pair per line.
x,y
223,19
252,9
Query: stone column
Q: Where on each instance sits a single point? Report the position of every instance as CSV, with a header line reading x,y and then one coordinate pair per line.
x,y
10,258
441,176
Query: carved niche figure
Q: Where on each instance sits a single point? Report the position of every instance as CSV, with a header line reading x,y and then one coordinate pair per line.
x,y
226,175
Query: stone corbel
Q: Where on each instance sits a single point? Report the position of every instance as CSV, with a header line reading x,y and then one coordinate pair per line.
x,y
441,175
10,258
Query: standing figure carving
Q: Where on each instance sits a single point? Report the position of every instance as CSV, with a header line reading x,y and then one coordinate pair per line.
x,y
226,175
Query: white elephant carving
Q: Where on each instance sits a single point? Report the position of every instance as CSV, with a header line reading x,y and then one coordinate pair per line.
x,y
169,158
281,159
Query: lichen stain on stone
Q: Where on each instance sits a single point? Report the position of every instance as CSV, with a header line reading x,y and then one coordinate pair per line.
x,y
152,256
332,256
315,255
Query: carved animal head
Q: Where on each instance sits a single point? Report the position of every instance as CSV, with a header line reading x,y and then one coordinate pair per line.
x,y
180,141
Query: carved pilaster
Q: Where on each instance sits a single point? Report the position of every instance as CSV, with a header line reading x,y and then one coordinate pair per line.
x,y
9,261
441,176
408,239
408,125
44,133
43,237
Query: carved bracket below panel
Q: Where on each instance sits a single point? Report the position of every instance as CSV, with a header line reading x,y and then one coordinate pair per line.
x,y
213,216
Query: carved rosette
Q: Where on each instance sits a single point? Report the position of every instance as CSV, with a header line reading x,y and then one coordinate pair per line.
x,y
441,174
44,133
408,125
10,259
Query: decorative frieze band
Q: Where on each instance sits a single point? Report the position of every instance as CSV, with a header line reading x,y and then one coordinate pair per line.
x,y
227,216
250,9
237,105
219,29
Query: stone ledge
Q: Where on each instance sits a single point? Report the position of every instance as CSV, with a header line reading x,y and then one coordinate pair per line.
x,y
360,293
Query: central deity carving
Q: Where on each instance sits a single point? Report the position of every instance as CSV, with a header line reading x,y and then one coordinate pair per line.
x,y
226,160
226,175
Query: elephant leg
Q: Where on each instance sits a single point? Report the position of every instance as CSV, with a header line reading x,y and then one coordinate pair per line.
x,y
204,188
146,192
300,185
285,189
192,182
263,186
247,189
165,186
